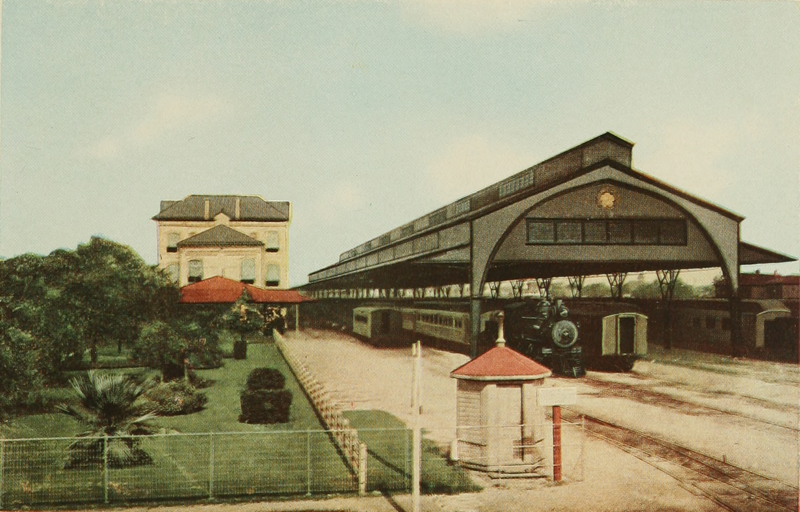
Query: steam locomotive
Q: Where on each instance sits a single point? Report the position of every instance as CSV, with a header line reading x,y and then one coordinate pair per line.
x,y
541,331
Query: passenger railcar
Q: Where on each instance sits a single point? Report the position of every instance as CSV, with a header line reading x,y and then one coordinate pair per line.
x,y
613,334
379,325
444,329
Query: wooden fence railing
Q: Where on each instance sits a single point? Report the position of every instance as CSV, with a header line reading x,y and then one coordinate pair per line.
x,y
330,414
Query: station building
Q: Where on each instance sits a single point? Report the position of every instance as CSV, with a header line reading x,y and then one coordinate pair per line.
x,y
244,238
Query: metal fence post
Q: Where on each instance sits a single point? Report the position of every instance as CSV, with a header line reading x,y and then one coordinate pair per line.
x,y
2,465
105,468
362,468
308,463
211,466
406,476
583,444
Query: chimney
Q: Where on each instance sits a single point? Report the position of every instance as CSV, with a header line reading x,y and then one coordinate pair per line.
x,y
238,208
208,207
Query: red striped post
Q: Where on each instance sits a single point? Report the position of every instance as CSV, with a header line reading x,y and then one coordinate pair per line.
x,y
557,443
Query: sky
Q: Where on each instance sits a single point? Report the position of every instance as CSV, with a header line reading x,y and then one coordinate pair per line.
x,y
366,115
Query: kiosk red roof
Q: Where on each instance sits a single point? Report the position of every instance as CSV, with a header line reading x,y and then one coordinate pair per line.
x,y
501,363
221,290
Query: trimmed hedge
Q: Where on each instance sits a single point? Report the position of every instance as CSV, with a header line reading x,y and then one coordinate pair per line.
x,y
265,378
175,398
265,406
240,349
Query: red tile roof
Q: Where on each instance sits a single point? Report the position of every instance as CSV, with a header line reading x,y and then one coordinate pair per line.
x,y
221,290
501,363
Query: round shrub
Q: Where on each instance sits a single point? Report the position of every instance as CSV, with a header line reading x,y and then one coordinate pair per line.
x,y
265,406
240,349
176,397
265,378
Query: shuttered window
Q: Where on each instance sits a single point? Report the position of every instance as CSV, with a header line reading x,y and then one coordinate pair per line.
x,y
273,241
195,271
248,271
273,275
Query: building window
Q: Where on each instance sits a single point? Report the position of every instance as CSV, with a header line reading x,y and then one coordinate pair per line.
x,y
569,232
672,232
594,232
174,272
619,232
696,322
726,324
541,232
273,241
606,231
711,322
248,271
273,275
645,232
195,271
172,242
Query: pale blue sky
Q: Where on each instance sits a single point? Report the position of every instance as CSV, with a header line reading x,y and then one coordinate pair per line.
x,y
366,115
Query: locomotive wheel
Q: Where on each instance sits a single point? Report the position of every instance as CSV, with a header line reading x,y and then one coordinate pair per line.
x,y
564,333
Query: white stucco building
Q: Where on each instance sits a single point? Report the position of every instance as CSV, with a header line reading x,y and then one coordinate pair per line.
x,y
244,238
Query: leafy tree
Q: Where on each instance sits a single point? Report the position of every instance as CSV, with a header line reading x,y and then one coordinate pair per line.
x,y
116,292
243,321
170,346
20,380
110,405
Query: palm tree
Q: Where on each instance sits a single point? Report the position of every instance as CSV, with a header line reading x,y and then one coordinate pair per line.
x,y
111,412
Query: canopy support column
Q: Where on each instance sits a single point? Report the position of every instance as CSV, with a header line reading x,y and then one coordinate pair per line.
x,y
666,283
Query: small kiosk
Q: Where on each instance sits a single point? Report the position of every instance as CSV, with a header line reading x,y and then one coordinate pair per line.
x,y
500,428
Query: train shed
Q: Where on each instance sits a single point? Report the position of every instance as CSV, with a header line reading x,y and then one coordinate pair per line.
x,y
586,211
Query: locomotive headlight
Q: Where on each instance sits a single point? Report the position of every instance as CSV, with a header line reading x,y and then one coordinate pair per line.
x,y
564,333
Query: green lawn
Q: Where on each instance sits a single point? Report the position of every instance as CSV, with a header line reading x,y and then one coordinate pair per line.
x,y
236,460
389,445
211,453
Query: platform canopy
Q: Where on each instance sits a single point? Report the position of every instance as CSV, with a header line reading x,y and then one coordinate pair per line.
x,y
586,211
221,290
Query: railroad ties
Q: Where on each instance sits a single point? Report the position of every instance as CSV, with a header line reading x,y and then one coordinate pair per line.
x,y
731,487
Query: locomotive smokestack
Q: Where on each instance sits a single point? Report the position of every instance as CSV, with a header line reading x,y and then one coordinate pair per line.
x,y
501,341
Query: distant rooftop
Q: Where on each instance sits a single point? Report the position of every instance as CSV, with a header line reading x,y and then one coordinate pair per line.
x,y
241,208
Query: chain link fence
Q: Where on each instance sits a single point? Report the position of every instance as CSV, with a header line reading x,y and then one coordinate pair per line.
x,y
75,471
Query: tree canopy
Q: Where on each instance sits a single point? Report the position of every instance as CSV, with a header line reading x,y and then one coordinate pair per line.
x,y
59,305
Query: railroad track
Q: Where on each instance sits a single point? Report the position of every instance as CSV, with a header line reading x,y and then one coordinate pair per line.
x,y
648,395
734,488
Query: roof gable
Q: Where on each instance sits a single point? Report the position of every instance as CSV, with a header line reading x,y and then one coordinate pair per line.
x,y
220,236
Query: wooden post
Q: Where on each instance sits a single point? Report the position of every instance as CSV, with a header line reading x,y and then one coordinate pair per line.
x,y
417,445
557,443
296,317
